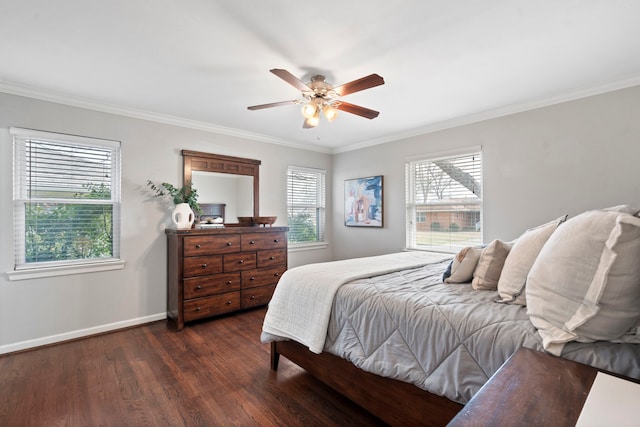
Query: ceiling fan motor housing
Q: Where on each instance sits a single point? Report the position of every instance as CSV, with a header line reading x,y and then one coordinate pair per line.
x,y
320,89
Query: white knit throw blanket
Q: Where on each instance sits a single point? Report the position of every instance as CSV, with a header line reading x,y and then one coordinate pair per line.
x,y
301,304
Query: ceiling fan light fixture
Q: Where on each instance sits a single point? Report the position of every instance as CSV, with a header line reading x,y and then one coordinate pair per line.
x,y
309,110
330,112
314,120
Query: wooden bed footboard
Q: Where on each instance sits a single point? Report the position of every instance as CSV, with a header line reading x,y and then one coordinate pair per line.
x,y
395,402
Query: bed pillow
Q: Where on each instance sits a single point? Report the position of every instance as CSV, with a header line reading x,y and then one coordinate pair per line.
x,y
463,265
585,283
487,272
447,272
520,259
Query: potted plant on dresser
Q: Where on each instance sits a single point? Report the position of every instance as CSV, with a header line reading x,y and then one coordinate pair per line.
x,y
185,198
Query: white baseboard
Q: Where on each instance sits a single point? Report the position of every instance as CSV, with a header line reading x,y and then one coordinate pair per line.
x,y
52,339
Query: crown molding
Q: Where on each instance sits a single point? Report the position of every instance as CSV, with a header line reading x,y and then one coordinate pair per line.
x,y
64,99
59,98
499,112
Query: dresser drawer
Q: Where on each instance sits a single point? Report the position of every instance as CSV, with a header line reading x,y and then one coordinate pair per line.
x,y
201,265
211,306
210,285
257,296
205,245
239,261
261,277
261,241
272,258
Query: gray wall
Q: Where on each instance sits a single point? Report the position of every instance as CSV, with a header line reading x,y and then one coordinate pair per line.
x,y
538,165
38,311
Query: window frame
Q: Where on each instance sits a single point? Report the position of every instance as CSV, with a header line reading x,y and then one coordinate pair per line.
x,y
27,270
411,204
320,204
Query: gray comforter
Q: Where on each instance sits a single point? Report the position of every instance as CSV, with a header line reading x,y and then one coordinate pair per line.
x,y
447,339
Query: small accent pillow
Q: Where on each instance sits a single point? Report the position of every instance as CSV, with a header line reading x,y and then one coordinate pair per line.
x,y
520,259
447,272
463,265
585,284
487,272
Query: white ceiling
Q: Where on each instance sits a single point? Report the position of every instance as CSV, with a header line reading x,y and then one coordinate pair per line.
x,y
200,63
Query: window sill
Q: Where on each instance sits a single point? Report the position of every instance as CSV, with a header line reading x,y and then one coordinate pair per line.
x,y
297,247
39,272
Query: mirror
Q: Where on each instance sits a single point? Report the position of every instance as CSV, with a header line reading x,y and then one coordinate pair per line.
x,y
234,191
232,181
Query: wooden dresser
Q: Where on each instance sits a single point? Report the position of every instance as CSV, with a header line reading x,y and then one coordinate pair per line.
x,y
220,270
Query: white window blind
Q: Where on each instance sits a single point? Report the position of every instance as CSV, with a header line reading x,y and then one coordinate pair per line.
x,y
306,205
66,199
444,202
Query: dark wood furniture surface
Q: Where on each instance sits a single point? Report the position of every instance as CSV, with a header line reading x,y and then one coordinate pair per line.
x,y
208,162
532,388
395,402
221,270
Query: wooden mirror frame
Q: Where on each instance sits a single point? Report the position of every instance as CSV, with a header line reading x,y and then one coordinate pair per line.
x,y
207,162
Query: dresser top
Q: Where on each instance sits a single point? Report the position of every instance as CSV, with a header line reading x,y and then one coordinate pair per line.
x,y
225,230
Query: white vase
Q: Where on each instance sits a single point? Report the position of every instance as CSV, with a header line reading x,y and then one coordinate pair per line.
x,y
183,216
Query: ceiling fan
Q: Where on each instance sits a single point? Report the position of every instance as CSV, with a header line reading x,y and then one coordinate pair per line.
x,y
319,95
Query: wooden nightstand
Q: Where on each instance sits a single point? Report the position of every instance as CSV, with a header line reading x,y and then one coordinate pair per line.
x,y
533,389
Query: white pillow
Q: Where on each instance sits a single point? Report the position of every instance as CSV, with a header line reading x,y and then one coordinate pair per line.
x,y
520,259
585,283
463,265
487,272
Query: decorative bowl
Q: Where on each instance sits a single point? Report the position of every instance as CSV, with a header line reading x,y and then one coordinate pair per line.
x,y
264,220
245,221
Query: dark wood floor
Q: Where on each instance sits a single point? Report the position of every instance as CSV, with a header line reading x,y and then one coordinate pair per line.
x,y
213,373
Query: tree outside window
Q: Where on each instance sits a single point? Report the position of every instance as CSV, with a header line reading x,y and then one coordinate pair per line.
x,y
66,199
444,202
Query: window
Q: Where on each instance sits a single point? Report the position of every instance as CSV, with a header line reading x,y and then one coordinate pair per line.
x,y
305,205
66,200
444,202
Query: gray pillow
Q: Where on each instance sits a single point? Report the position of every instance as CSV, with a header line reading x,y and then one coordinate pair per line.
x,y
487,272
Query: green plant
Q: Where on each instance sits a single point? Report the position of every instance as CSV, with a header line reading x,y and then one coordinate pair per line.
x,y
184,194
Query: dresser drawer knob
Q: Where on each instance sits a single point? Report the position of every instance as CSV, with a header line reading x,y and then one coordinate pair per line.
x,y
228,243
276,241
252,242
199,287
229,302
276,274
241,261
229,282
252,278
204,265
253,297
198,246
198,308
272,257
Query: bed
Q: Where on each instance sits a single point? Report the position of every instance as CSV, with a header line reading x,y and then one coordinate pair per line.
x,y
388,333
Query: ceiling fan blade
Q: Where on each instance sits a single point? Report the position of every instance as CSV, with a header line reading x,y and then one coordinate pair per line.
x,y
367,82
291,79
356,109
273,104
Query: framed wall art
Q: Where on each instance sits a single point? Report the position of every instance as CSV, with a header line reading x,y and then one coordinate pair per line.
x,y
363,202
